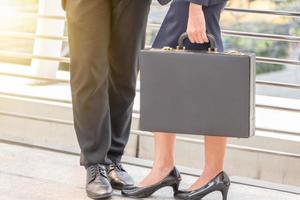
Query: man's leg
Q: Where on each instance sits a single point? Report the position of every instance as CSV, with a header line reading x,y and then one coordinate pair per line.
x,y
128,29
89,25
129,21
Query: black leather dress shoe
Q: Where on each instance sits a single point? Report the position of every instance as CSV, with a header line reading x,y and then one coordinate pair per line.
x,y
97,185
119,178
220,183
172,180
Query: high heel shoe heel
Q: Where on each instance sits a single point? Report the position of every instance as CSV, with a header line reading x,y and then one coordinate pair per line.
x,y
224,192
220,183
172,180
175,187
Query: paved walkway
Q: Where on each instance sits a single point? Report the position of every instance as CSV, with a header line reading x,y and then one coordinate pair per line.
x,y
28,173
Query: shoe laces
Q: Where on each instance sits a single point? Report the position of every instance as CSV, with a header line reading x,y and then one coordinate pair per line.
x,y
98,169
118,166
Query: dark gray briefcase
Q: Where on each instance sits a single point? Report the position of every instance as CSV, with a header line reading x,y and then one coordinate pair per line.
x,y
197,92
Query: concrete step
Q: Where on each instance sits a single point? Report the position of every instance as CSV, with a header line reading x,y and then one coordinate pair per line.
x,y
44,123
36,174
49,112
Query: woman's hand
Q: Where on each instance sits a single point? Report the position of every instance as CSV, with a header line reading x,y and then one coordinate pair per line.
x,y
196,28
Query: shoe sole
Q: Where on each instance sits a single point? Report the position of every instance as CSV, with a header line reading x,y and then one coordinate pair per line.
x,y
100,197
120,187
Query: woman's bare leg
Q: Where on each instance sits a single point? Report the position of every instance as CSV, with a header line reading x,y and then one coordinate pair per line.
x,y
163,160
214,160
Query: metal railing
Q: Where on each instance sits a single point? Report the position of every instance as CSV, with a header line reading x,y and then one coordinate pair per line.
x,y
230,33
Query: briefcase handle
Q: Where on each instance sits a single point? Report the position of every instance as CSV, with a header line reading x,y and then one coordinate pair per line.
x,y
210,37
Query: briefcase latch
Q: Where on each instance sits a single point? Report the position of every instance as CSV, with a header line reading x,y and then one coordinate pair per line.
x,y
234,52
166,48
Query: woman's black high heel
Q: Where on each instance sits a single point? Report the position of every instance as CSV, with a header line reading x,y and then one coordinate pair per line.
x,y
220,183
173,179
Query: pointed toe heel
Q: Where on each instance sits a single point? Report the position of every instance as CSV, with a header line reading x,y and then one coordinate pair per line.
x,y
175,187
172,180
220,183
225,192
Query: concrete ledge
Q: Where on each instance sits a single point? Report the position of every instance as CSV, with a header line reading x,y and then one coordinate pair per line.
x,y
41,174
